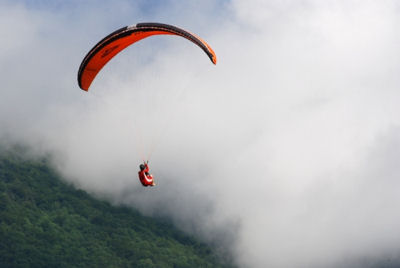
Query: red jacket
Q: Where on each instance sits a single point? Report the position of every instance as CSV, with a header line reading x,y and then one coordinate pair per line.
x,y
145,178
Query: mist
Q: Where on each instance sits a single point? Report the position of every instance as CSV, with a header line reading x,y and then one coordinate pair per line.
x,y
285,153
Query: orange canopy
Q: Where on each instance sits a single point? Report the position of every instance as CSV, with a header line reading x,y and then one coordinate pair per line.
x,y
115,42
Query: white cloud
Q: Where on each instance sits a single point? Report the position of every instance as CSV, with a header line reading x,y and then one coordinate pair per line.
x,y
286,149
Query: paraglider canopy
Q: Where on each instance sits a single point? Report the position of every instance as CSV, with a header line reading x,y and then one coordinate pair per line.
x,y
115,42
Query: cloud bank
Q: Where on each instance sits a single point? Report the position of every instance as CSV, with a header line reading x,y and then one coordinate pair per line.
x,y
286,152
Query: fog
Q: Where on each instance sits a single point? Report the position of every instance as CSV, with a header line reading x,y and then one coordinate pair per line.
x,y
285,153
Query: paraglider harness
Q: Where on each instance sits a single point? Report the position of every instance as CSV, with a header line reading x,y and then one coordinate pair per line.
x,y
144,176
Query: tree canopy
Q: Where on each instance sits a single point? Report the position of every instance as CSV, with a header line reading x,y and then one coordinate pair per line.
x,y
45,222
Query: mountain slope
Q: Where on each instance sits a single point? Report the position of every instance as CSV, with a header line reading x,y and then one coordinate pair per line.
x,y
45,223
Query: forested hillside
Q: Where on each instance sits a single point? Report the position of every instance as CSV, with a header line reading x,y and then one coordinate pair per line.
x,y
45,222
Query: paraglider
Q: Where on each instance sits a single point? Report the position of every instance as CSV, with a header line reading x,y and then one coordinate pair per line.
x,y
144,176
117,41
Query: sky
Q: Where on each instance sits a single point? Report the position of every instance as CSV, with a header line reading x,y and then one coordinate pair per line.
x,y
285,153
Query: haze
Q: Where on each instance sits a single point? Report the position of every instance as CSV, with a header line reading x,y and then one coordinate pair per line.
x,y
285,153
